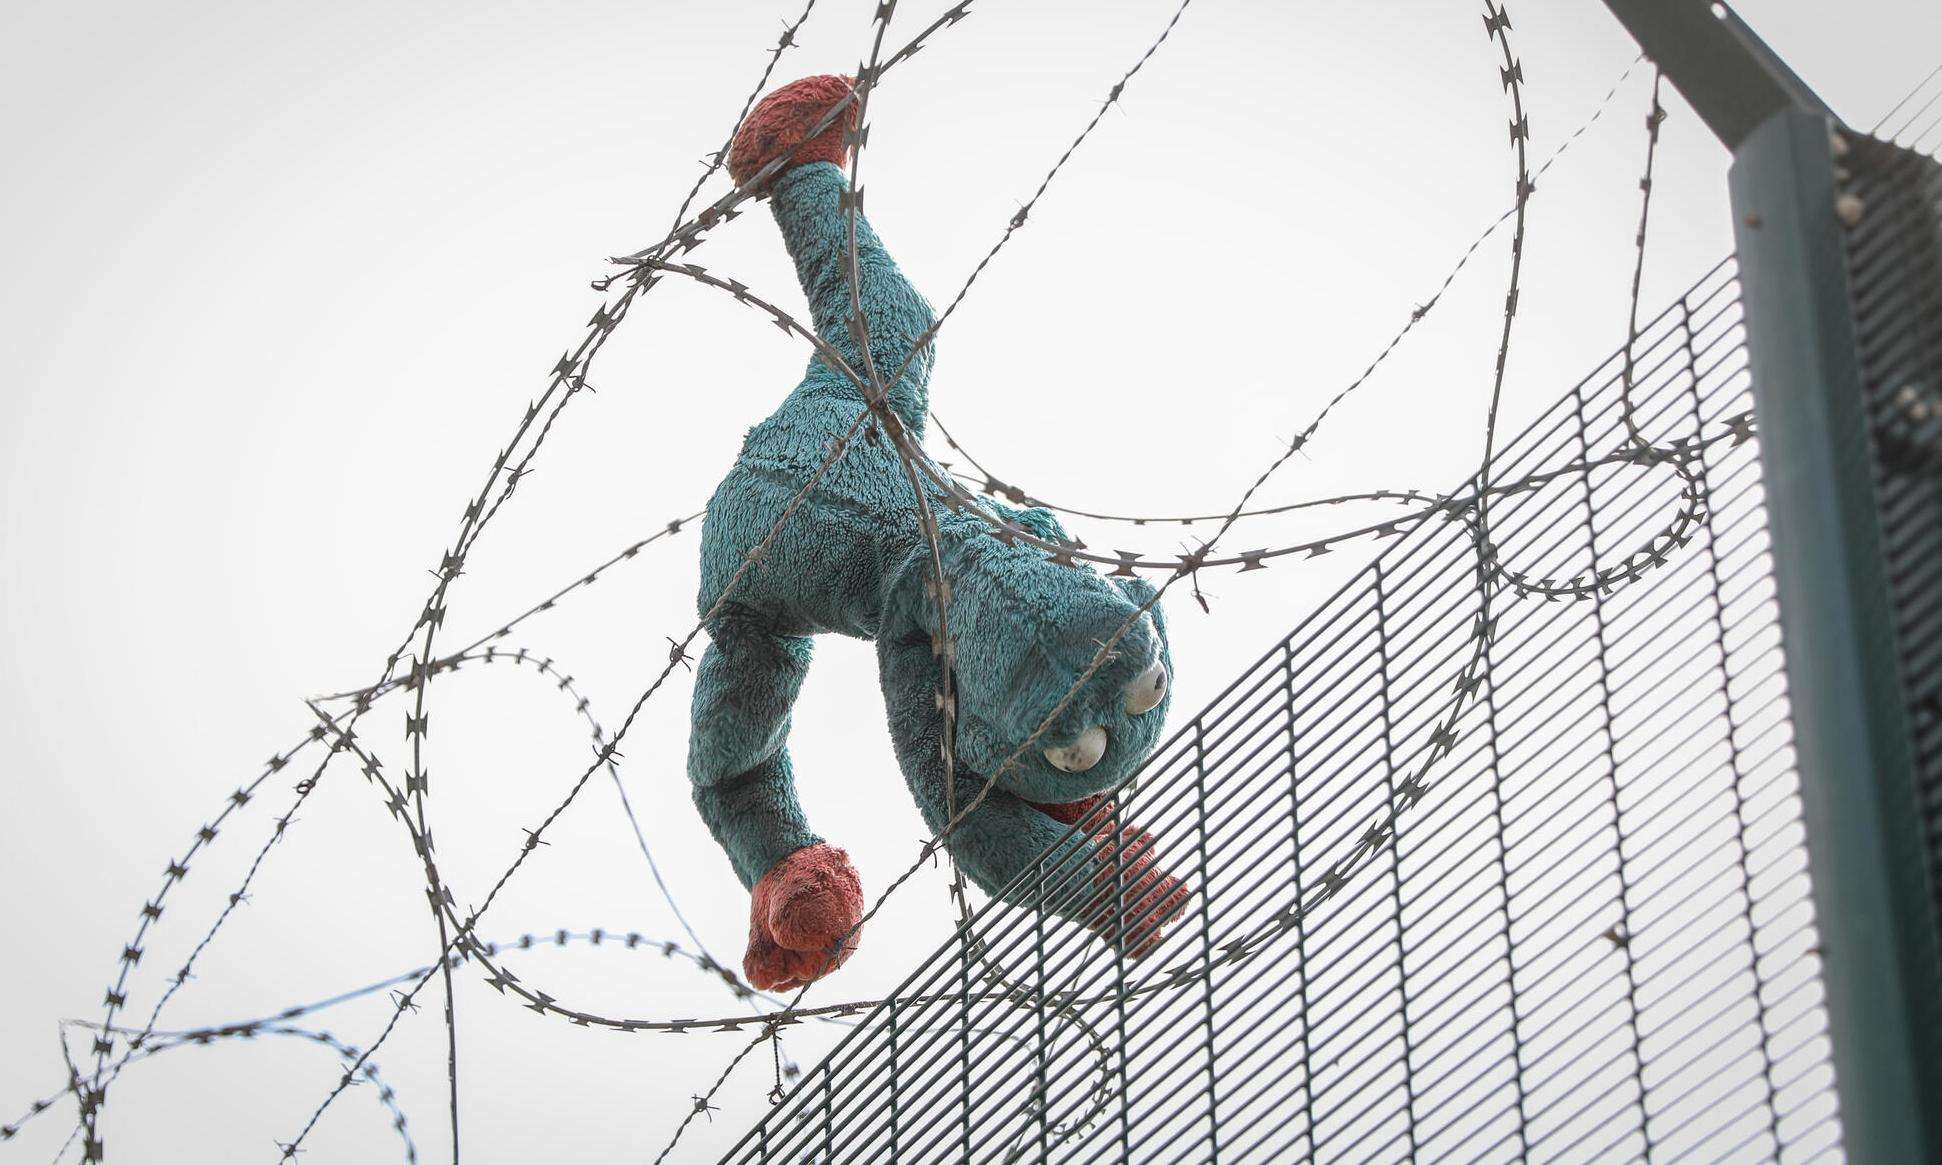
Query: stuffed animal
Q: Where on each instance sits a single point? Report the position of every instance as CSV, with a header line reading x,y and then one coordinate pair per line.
x,y
852,560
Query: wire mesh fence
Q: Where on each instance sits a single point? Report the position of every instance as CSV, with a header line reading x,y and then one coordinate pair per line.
x,y
1473,878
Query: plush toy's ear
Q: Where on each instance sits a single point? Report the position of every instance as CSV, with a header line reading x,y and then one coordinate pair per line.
x,y
1140,591
1136,588
1037,520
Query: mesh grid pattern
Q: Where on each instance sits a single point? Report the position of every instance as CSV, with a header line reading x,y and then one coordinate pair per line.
x,y
1585,932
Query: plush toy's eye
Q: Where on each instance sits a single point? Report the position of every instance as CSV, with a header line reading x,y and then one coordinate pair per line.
x,y
1081,754
1147,689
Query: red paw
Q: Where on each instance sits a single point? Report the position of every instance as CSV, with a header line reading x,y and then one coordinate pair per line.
x,y
780,123
1137,899
801,909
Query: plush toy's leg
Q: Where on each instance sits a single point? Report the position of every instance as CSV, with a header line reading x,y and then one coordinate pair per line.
x,y
805,896
809,206
1107,881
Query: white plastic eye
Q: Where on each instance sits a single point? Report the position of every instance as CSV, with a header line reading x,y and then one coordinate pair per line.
x,y
1081,754
1147,689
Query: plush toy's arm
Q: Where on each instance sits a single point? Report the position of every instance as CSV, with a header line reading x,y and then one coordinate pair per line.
x,y
805,900
737,759
809,208
1106,883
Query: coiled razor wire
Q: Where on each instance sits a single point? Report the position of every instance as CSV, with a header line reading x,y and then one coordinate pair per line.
x,y
116,1045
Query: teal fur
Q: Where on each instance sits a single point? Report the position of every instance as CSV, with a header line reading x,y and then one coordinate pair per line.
x,y
852,560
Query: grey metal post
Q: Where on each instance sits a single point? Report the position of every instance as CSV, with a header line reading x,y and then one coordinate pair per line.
x,y
1722,68
1850,726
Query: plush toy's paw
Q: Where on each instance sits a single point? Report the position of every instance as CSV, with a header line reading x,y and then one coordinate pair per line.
x,y
1136,899
799,912
780,124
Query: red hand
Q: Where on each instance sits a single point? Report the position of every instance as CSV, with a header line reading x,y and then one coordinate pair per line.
x,y
1136,899
801,909
780,123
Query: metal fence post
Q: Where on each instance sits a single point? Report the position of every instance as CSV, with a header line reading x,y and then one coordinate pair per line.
x,y
1863,823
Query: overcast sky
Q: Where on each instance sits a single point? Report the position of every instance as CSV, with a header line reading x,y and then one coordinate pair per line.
x,y
277,280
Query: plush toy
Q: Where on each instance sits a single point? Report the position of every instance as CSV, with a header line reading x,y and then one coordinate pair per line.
x,y
852,560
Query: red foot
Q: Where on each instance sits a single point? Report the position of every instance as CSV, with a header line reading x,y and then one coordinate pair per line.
x,y
1136,899
779,124
801,909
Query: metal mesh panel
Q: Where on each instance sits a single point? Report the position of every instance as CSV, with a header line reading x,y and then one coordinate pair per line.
x,y
1895,271
1576,928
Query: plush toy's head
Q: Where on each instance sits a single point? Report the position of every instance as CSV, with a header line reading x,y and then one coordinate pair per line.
x,y
1025,630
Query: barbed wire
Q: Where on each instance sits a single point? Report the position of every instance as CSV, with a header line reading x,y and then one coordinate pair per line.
x,y
995,486
207,834
568,377
932,483
1497,24
145,1044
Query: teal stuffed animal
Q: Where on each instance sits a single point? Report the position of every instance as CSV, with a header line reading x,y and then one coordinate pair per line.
x,y
852,560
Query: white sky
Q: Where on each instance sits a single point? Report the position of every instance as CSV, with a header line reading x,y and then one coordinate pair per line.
x,y
276,280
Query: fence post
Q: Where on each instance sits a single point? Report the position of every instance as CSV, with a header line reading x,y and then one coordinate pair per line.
x,y
1851,731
